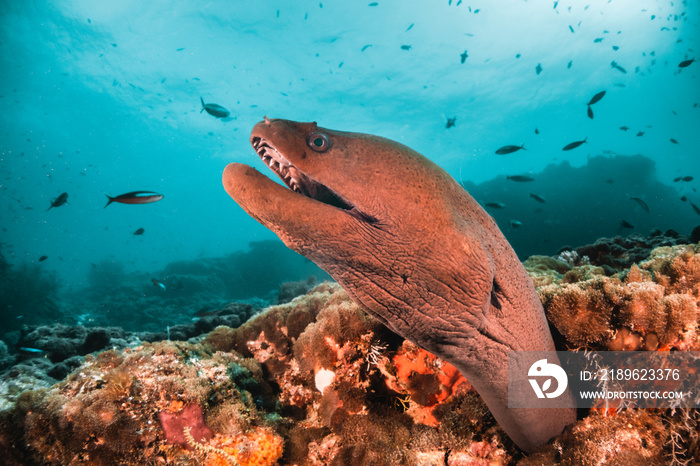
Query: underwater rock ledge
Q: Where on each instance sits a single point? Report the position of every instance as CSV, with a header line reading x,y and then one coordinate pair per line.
x,y
317,381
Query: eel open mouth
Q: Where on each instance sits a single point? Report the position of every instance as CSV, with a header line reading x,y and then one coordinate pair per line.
x,y
300,182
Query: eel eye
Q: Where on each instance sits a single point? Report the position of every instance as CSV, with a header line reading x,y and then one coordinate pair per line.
x,y
318,142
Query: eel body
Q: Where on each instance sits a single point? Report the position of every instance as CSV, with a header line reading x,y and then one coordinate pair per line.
x,y
411,247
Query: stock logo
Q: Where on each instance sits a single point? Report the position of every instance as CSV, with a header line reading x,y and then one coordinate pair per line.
x,y
542,368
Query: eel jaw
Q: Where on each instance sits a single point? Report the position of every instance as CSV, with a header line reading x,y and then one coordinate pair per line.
x,y
300,182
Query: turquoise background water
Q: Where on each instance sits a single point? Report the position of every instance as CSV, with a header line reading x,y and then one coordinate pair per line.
x,y
103,97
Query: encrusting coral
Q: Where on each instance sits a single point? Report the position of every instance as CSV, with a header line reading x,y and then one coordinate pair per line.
x,y
316,381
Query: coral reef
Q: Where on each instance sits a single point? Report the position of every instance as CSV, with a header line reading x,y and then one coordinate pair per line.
x,y
619,253
315,381
650,306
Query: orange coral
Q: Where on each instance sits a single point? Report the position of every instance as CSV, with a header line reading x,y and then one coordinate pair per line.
x,y
261,447
426,379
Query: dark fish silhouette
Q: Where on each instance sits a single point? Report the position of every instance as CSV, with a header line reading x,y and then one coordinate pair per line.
x,y
43,258
673,141
520,178
59,201
463,57
537,131
365,47
695,208
626,224
495,205
135,197
574,144
624,128
614,65
641,203
687,178
590,112
405,47
596,98
538,68
640,134
214,110
538,198
684,198
686,63
509,149
598,40
515,224
568,65
451,122
139,232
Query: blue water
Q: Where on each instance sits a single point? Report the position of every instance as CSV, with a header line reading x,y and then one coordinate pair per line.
x,y
103,97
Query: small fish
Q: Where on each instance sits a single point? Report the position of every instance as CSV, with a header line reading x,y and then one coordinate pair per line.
x,y
451,122
135,197
538,198
139,232
574,144
59,201
410,27
596,98
624,128
509,149
180,49
405,47
684,198
43,258
463,57
571,29
686,63
520,178
30,351
640,134
687,179
695,208
365,47
373,4
495,205
214,110
597,40
673,141
626,224
158,284
641,203
568,65
538,68
206,312
614,65
615,48
517,55
515,224
537,131
590,112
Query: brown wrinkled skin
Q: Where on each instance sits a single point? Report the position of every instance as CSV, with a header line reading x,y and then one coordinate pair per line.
x,y
427,268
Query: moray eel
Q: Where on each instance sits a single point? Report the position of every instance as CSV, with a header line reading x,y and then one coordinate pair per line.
x,y
410,246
